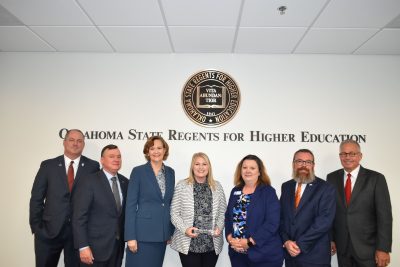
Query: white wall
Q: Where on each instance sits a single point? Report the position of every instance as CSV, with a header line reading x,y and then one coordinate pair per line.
x,y
42,93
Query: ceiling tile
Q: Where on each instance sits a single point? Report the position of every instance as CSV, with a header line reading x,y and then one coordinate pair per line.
x,y
74,38
47,12
124,12
202,39
268,40
394,23
20,38
386,42
201,13
334,41
138,39
299,13
8,19
358,14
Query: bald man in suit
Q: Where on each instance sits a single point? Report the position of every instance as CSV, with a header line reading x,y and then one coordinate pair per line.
x,y
50,203
362,230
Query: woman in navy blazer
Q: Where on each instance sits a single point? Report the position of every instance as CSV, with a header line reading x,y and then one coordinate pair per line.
x,y
252,218
147,216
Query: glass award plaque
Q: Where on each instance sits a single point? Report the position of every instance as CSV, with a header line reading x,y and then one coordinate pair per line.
x,y
204,223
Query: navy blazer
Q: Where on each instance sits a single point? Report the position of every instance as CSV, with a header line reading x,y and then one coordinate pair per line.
x,y
147,214
310,224
95,220
368,218
262,223
49,207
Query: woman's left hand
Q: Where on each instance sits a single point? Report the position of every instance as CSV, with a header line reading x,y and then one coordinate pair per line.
x,y
239,244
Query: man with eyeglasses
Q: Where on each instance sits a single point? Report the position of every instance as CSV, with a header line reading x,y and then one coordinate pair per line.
x,y
307,213
362,230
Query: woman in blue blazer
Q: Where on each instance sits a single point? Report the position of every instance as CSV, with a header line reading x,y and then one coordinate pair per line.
x,y
252,218
147,216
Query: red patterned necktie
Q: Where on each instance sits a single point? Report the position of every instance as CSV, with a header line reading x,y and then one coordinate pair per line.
x,y
347,189
70,175
297,196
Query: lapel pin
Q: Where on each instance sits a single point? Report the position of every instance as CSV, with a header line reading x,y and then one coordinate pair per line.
x,y
59,165
83,164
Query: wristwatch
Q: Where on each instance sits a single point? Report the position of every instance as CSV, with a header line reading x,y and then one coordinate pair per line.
x,y
249,243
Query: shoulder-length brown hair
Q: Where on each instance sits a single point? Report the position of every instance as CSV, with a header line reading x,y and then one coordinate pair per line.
x,y
262,179
210,177
150,142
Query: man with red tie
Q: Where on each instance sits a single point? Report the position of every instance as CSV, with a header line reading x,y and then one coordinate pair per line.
x,y
362,230
50,203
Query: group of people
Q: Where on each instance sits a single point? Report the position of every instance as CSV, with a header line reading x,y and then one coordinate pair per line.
x,y
91,213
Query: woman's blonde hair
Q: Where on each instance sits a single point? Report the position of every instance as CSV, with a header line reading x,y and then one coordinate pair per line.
x,y
210,177
262,179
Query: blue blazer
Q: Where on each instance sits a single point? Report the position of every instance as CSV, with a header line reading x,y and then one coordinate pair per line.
x,y
147,214
310,224
262,224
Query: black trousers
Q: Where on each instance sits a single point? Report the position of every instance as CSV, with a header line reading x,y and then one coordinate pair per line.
x,y
206,259
350,259
295,263
48,251
115,259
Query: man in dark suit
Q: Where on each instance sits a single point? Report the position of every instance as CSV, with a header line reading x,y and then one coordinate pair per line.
x,y
98,213
50,206
307,213
362,231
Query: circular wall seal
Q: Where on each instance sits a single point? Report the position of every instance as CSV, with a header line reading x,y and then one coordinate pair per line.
x,y
210,98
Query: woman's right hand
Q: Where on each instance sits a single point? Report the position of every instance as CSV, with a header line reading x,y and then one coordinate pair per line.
x,y
191,233
132,245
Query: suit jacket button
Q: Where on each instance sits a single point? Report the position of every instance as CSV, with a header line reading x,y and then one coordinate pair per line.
x,y
162,204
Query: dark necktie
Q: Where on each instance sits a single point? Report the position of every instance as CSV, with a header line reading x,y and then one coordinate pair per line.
x,y
70,175
116,193
347,189
297,196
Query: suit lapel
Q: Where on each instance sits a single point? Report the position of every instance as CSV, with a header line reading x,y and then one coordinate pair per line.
x,y
361,179
291,191
153,180
79,171
105,183
169,186
340,187
307,194
62,173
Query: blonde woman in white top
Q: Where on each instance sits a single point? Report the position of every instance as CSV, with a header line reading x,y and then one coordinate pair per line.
x,y
198,203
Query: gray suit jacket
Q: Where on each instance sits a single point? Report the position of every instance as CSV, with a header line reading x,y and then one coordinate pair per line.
x,y
96,221
367,221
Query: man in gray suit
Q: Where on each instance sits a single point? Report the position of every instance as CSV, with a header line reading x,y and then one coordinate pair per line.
x,y
362,230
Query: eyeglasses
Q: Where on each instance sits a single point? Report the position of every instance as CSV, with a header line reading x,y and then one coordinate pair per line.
x,y
350,154
300,162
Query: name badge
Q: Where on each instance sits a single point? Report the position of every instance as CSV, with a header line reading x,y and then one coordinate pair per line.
x,y
237,193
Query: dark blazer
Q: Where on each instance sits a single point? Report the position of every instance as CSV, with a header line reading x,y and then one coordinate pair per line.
x,y
368,218
262,223
310,224
147,215
95,220
49,207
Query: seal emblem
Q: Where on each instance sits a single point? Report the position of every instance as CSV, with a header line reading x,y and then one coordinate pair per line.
x,y
210,98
